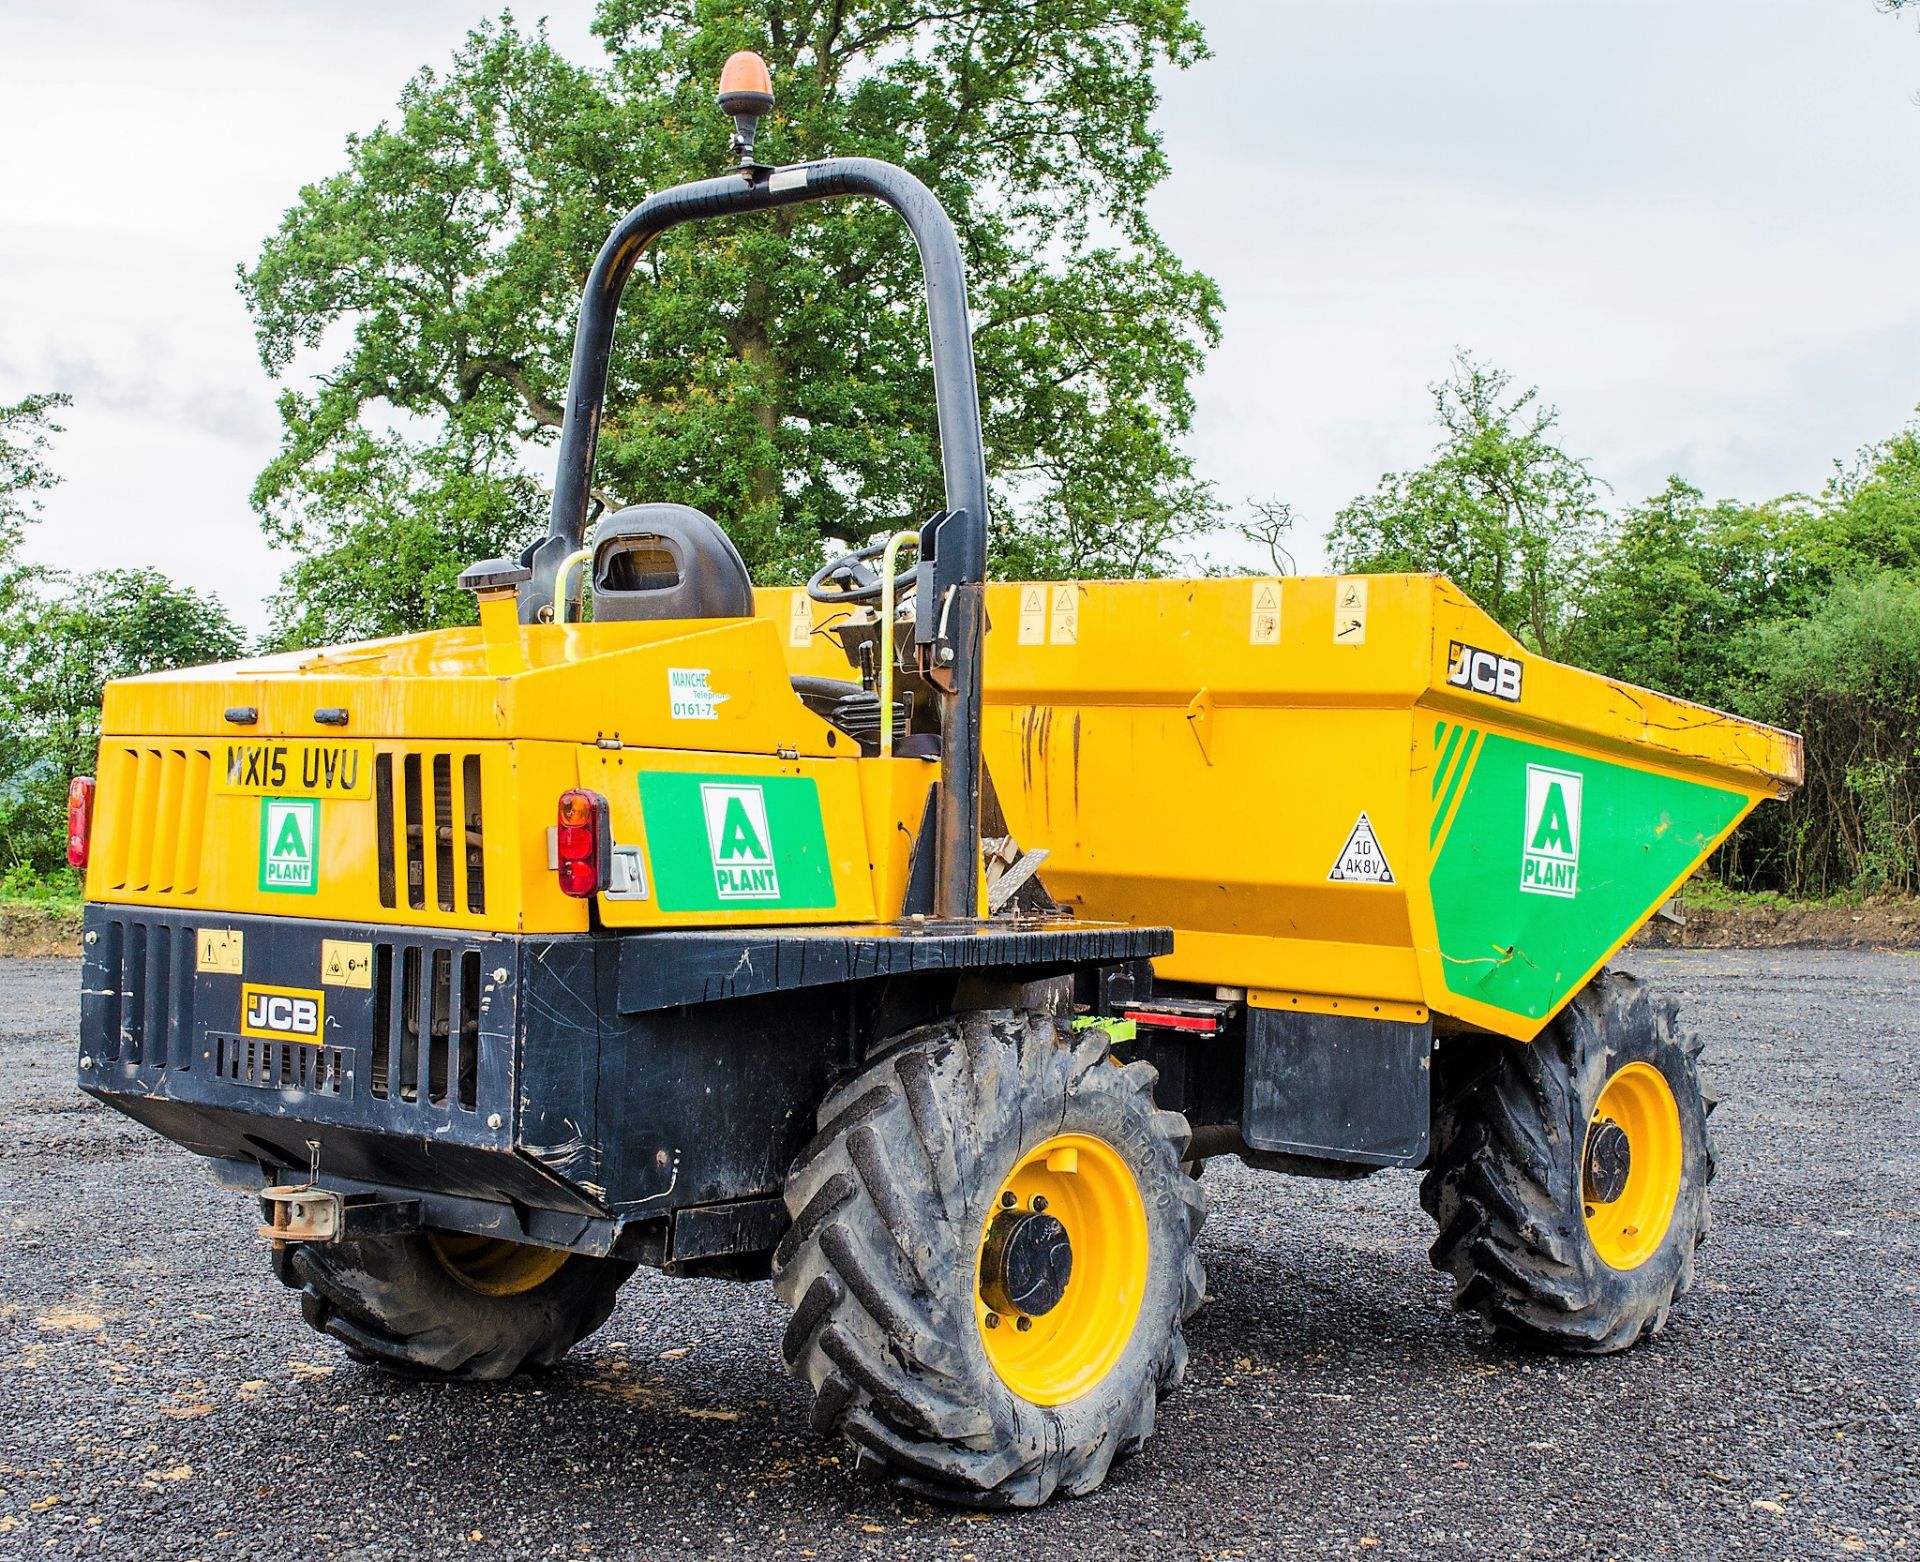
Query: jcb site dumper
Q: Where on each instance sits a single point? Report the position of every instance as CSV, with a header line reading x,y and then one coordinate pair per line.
x,y
907,940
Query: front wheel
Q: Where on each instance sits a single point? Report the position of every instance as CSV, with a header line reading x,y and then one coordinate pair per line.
x,y
445,1305
1569,1176
991,1257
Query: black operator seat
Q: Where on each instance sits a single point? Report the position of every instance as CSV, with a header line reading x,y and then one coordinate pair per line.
x,y
667,561
653,561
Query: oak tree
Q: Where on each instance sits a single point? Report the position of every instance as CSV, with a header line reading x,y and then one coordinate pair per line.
x,y
773,371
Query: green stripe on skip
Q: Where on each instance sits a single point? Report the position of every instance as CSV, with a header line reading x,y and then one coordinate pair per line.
x,y
1552,859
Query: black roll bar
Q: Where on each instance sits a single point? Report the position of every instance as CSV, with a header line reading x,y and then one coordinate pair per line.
x,y
963,556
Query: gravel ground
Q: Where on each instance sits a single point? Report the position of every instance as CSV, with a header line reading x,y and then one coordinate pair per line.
x,y
159,1396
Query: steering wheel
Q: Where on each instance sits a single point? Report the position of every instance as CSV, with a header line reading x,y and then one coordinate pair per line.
x,y
850,578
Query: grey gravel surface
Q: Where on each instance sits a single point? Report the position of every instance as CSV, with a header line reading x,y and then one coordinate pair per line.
x,y
159,1396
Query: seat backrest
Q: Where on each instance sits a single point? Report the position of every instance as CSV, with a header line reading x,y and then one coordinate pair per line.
x,y
667,561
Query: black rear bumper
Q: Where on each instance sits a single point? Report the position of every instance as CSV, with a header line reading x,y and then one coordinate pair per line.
x,y
641,1094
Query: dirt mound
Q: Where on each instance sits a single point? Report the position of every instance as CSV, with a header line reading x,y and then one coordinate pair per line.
x,y
1890,923
39,930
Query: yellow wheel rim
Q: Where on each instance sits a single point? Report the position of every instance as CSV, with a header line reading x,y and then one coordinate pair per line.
x,y
1063,1352
1627,1228
493,1266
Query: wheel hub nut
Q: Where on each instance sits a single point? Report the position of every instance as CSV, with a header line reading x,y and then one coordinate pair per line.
x,y
1025,1265
1609,1161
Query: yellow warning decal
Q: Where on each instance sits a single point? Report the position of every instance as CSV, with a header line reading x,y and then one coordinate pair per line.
x,y
1265,626
219,950
345,962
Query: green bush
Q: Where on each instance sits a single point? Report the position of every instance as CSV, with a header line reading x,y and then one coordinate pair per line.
x,y
1846,677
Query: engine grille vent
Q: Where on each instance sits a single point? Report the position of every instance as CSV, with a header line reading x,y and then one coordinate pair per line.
x,y
426,1025
146,987
431,823
158,820
284,1065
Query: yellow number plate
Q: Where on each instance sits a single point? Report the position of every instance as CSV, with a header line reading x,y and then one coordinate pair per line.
x,y
295,769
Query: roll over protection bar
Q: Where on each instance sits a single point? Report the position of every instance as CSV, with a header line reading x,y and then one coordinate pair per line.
x,y
962,547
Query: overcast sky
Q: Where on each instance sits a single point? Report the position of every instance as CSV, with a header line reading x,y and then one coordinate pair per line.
x,y
1695,224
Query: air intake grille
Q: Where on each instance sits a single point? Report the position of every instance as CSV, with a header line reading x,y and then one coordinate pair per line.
x,y
283,1065
431,820
157,820
426,1025
146,983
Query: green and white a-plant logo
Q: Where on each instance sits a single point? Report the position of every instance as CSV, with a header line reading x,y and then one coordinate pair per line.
x,y
1550,856
1545,859
290,845
718,842
739,841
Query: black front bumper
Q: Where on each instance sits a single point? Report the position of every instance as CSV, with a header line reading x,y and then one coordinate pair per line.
x,y
641,1094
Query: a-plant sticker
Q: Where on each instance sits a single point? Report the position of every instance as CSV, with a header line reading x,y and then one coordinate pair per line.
x,y
290,845
735,842
1550,849
740,841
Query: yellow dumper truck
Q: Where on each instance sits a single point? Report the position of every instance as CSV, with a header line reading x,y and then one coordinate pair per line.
x,y
908,940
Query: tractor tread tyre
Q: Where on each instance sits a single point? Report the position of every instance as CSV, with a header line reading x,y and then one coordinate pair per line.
x,y
1505,1180
880,1264
392,1303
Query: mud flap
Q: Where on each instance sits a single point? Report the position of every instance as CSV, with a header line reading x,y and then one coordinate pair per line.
x,y
1334,1087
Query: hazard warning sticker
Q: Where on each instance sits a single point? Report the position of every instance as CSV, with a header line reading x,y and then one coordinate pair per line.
x,y
1361,861
1033,615
1265,629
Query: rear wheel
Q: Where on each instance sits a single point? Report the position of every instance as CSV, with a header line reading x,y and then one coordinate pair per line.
x,y
1569,1176
444,1304
991,1259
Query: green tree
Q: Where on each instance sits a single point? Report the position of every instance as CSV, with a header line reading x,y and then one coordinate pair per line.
x,y
1869,514
58,649
26,430
1501,509
1846,676
1670,590
774,372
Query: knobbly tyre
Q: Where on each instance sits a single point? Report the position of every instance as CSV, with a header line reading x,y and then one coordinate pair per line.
x,y
654,922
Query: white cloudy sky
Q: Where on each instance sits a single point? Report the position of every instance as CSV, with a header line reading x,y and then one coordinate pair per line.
x,y
1694,223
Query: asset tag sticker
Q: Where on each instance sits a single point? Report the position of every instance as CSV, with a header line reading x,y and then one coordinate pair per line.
x,y
1064,626
219,951
800,620
1265,628
1350,611
688,696
1361,861
1033,615
290,845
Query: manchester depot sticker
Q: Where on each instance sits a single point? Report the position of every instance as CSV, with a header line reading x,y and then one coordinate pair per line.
x,y
1361,861
290,845
688,696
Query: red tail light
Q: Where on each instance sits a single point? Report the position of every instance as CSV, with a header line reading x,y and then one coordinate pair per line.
x,y
79,820
584,843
